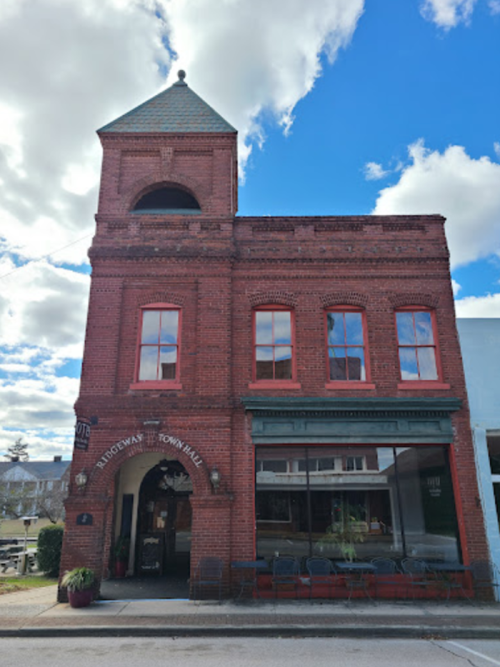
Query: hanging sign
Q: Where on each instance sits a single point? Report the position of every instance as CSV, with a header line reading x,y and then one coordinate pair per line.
x,y
82,434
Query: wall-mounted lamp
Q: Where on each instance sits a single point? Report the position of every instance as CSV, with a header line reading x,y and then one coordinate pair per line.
x,y
81,480
215,478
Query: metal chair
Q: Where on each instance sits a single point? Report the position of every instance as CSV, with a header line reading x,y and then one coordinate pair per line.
x,y
285,573
485,576
386,574
208,574
421,577
449,577
321,571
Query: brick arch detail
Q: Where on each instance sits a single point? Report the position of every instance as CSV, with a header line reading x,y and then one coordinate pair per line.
x,y
344,298
160,297
159,178
151,443
417,299
278,297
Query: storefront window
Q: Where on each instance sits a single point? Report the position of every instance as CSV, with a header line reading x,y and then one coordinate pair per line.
x,y
355,502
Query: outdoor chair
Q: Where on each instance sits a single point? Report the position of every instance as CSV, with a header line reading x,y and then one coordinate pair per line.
x,y
420,576
208,574
322,573
387,574
451,579
485,576
285,574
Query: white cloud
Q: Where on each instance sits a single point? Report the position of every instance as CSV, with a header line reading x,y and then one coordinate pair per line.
x,y
478,306
374,171
456,287
463,189
447,13
494,6
496,147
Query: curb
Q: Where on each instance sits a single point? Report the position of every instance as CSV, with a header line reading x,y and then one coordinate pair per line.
x,y
348,631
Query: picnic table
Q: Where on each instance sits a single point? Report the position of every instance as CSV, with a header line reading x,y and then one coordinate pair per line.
x,y
12,556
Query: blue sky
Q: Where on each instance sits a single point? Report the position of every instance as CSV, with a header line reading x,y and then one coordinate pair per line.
x,y
343,107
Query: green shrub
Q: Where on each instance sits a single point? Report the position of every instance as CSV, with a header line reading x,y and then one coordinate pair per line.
x,y
49,550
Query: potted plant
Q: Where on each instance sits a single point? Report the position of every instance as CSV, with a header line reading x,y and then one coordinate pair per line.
x,y
122,548
80,585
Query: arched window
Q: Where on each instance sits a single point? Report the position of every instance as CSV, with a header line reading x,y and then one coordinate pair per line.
x,y
167,199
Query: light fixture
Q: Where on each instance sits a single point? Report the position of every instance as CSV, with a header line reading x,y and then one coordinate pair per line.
x,y
81,480
215,477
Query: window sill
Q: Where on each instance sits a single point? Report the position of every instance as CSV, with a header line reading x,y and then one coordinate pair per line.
x,y
423,384
275,384
164,386
345,385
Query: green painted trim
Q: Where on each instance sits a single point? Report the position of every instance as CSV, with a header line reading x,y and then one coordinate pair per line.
x,y
351,420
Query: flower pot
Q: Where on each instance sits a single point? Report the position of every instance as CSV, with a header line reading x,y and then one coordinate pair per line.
x,y
80,598
120,569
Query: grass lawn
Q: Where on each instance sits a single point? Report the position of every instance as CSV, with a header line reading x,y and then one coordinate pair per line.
x,y
12,584
15,528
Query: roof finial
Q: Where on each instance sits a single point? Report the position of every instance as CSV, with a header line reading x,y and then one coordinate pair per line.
x,y
181,74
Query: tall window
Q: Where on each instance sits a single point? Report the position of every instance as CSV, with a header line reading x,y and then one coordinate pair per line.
x,y
273,344
346,347
417,345
159,346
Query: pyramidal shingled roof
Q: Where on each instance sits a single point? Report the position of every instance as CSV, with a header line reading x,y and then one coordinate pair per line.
x,y
177,109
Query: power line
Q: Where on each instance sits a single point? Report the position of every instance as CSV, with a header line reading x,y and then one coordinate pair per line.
x,y
34,261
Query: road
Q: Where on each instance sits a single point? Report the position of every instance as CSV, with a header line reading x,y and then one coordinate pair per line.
x,y
246,652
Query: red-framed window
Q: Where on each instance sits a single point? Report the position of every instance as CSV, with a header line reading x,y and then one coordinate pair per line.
x,y
159,344
418,353
274,344
346,347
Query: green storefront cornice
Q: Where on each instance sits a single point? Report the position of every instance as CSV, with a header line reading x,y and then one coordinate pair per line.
x,y
351,420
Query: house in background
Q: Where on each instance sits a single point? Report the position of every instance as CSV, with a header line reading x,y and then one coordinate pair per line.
x,y
480,343
34,487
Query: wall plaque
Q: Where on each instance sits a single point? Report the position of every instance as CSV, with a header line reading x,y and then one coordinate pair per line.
x,y
84,519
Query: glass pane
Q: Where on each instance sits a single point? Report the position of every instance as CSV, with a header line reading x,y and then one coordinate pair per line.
x,y
168,363
408,363
337,362
356,363
263,327
281,502
335,328
423,328
427,503
150,326
427,363
264,363
149,363
169,326
406,334
354,329
282,328
283,363
494,453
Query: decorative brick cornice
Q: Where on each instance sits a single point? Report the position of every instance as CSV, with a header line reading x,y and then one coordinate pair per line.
x,y
279,297
414,299
346,298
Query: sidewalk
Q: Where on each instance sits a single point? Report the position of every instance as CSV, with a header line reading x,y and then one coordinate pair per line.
x,y
35,613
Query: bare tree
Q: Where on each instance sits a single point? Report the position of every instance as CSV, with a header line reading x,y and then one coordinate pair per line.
x,y
50,503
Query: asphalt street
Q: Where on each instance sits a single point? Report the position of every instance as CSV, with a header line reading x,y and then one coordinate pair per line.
x,y
247,652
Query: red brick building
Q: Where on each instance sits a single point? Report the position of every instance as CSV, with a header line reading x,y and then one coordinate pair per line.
x,y
261,386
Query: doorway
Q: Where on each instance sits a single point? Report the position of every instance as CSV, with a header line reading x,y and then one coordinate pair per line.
x,y
163,545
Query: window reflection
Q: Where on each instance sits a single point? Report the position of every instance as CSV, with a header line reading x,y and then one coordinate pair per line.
x,y
355,502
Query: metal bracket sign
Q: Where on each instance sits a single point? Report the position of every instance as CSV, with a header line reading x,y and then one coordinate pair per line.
x,y
82,434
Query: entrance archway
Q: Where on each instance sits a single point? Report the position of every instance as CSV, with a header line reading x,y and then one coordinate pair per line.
x,y
164,521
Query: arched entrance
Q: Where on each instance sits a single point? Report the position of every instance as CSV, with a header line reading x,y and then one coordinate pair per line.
x,y
164,521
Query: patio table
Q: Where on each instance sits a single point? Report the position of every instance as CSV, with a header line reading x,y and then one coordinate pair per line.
x,y
354,579
248,574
